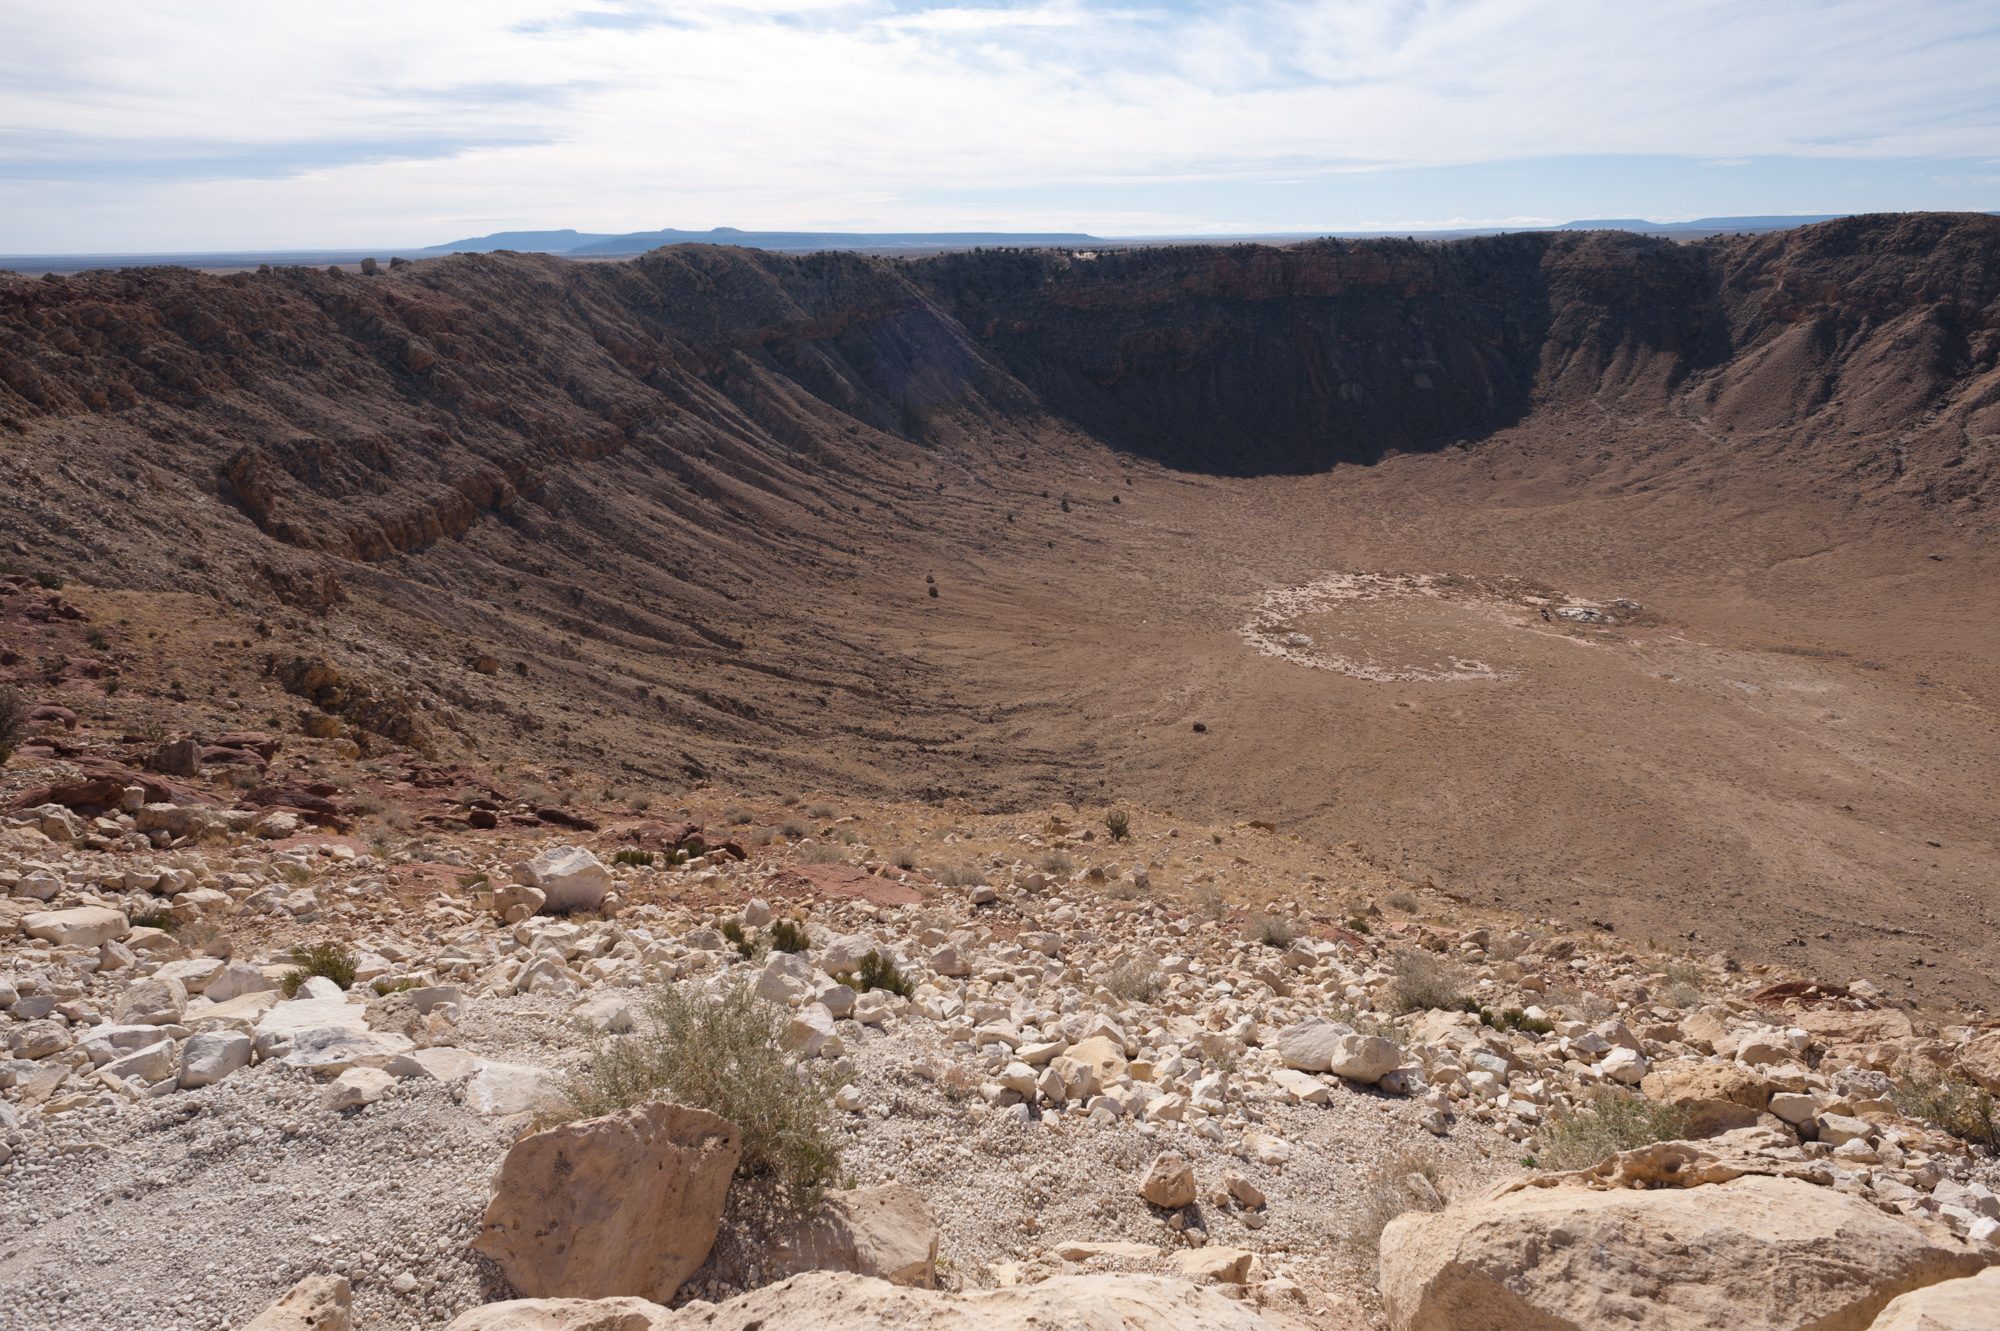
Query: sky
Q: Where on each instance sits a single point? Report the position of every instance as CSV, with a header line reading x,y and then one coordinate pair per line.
x,y
183,125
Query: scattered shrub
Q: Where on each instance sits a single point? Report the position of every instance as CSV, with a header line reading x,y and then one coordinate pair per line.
x,y
906,860
1953,1104
1057,862
822,853
959,875
822,811
879,972
791,829
736,815
1274,931
1410,1181
1118,823
1403,902
329,960
746,947
1612,1121
1135,981
383,988
1425,980
789,936
641,858
155,919
721,1053
1513,1019
1209,900
13,720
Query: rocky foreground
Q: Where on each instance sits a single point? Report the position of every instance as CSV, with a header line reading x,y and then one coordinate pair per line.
x,y
1103,1100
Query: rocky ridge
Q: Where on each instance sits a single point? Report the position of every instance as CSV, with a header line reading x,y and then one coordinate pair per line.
x,y
1084,1076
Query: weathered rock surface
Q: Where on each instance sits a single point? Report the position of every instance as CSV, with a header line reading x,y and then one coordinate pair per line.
x,y
821,1300
888,1232
1757,1251
317,1303
626,1204
1968,1304
571,878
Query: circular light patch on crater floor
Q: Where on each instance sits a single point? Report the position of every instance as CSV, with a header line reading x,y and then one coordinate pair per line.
x,y
1418,628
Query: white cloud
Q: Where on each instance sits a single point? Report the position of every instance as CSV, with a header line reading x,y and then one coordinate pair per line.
x,y
183,124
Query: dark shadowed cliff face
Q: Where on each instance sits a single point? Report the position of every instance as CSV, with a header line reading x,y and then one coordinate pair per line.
x,y
1248,360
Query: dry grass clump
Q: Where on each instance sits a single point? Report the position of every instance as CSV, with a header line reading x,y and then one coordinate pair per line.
x,y
1424,980
1274,931
1409,1181
1611,1122
1957,1106
1134,981
720,1052
821,852
960,875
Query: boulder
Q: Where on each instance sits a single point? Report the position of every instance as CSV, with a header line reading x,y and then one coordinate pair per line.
x,y
822,1300
514,902
889,1232
499,1090
1310,1046
356,1087
625,1204
1980,1060
1716,1097
571,878
159,1001
235,980
1778,1254
1364,1058
79,926
212,1055
317,1303
1169,1182
1971,1303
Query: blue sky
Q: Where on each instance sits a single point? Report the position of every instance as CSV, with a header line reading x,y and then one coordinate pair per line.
x,y
176,125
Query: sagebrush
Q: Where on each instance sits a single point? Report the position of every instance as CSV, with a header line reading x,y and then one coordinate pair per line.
x,y
720,1052
1424,980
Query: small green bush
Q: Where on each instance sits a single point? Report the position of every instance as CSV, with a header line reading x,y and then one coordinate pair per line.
x,y
329,960
746,947
1118,823
1953,1104
1425,980
879,972
721,1053
640,858
788,936
1613,1121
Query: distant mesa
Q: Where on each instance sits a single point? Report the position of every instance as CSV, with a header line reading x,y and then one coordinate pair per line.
x,y
586,245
